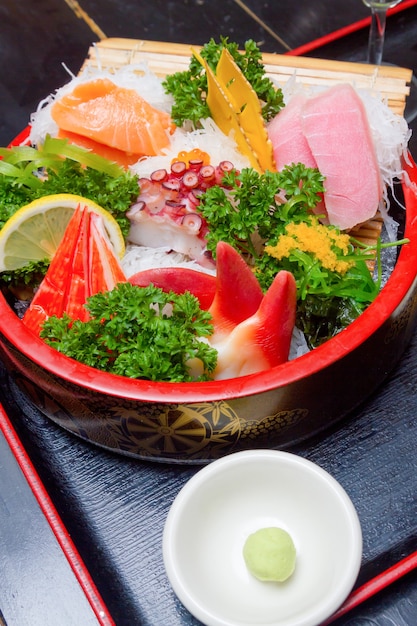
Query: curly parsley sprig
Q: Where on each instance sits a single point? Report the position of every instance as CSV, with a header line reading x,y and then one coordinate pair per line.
x,y
139,332
251,203
269,219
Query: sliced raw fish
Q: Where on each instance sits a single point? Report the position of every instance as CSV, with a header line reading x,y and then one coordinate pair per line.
x,y
113,116
286,133
336,127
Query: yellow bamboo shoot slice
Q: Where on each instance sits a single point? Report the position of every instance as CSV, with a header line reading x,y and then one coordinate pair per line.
x,y
234,105
247,107
224,115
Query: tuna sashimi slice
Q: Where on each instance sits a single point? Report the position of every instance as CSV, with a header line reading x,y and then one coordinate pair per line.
x,y
113,116
286,133
336,127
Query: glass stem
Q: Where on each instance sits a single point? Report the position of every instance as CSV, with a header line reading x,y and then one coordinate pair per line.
x,y
377,36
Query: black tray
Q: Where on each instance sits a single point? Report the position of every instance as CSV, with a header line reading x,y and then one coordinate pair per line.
x,y
114,508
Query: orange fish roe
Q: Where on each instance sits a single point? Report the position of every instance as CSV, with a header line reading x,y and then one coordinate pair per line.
x,y
327,245
193,155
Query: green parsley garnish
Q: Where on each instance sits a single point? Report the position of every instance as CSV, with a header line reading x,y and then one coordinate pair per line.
x,y
30,275
28,173
138,332
251,205
255,213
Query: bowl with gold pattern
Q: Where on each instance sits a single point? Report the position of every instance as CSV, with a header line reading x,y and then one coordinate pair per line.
x,y
198,422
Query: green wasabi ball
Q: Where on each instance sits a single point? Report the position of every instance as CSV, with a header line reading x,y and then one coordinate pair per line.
x,y
269,554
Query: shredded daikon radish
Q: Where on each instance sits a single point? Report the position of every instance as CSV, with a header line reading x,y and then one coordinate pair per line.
x,y
209,139
390,133
139,258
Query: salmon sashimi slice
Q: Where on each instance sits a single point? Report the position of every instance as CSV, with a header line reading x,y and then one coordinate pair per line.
x,y
111,154
83,264
337,130
113,116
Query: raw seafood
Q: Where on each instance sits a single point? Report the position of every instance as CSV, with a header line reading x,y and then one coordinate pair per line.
x,y
287,135
238,293
337,138
179,280
113,116
337,131
262,340
166,212
84,264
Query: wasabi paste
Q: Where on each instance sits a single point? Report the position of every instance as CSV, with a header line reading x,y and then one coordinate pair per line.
x,y
269,554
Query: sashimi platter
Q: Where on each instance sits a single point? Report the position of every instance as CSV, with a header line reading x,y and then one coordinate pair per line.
x,y
206,249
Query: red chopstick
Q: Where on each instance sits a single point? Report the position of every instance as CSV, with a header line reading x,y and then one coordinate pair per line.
x,y
80,571
373,586
346,30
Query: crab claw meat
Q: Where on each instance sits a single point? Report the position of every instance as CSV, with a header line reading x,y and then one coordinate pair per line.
x,y
83,264
76,272
106,271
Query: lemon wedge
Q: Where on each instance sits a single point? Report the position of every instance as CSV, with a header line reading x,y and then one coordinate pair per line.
x,y
35,231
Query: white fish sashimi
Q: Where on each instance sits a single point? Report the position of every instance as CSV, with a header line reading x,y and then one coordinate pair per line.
x,y
336,128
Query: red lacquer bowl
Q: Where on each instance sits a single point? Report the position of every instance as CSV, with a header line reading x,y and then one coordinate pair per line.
x,y
199,422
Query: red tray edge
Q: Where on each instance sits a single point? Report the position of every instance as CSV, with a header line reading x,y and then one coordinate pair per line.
x,y
375,585
346,30
73,557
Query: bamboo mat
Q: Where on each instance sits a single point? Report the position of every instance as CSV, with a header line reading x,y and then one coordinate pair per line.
x,y
393,83
162,58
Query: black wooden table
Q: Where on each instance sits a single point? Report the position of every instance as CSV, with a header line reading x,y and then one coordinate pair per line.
x,y
114,508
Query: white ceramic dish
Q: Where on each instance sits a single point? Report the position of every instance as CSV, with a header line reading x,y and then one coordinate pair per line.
x,y
231,498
